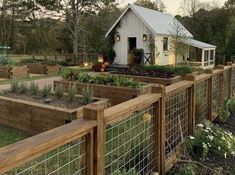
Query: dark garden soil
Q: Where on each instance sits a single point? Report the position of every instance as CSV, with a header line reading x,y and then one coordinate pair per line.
x,y
156,74
53,101
212,165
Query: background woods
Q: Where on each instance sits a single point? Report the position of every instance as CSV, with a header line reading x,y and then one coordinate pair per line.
x,y
73,26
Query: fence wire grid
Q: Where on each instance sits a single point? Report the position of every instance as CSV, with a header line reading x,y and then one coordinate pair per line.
x,y
202,101
130,144
70,159
216,93
233,81
227,78
177,123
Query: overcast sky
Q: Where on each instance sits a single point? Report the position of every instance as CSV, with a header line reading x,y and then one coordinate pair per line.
x,y
172,6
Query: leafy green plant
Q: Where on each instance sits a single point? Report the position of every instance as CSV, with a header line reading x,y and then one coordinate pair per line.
x,y
33,88
59,91
223,113
46,90
87,95
72,91
187,169
4,61
23,88
231,106
182,70
211,139
125,172
14,85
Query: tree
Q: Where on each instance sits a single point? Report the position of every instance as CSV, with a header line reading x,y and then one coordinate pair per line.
x,y
158,5
190,7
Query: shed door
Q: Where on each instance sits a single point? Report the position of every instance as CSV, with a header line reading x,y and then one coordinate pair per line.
x,y
132,43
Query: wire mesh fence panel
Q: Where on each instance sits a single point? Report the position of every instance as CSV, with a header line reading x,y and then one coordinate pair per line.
x,y
216,93
202,105
233,81
177,122
227,79
130,144
69,159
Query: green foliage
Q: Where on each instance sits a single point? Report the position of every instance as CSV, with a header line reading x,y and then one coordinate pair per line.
x,y
28,60
223,113
59,91
46,90
231,106
72,91
211,139
111,80
87,95
33,88
125,172
4,61
187,169
23,88
182,70
14,85
64,72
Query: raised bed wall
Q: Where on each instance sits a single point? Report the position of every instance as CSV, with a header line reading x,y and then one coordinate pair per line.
x,y
14,72
44,69
163,81
116,95
32,117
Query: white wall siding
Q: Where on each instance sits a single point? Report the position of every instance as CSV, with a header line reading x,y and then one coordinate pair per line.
x,y
130,26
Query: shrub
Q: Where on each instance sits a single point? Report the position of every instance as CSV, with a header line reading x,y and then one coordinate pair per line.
x,y
187,169
59,91
46,90
23,88
14,85
87,95
223,113
211,139
33,88
28,60
4,61
183,70
72,91
125,172
231,106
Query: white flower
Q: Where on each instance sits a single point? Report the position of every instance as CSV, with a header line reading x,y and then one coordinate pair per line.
x,y
222,138
211,137
200,125
206,130
233,153
225,155
191,137
204,145
209,145
219,148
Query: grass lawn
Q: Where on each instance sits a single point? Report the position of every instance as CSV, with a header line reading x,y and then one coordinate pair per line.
x,y
10,135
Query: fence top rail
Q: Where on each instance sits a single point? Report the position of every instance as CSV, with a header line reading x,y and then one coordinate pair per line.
x,y
227,67
178,87
21,152
116,113
202,77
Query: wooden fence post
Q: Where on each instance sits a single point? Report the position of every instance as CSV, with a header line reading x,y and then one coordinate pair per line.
x,y
210,95
222,82
231,79
95,111
160,140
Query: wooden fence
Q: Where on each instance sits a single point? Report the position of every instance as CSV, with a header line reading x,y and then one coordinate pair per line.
x,y
139,136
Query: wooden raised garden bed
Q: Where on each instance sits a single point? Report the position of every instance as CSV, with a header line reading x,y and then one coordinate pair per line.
x,y
34,117
147,79
14,71
37,68
115,94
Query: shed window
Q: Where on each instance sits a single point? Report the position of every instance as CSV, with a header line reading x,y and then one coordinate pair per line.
x,y
165,44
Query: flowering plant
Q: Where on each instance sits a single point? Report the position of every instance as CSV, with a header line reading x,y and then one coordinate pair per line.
x,y
211,139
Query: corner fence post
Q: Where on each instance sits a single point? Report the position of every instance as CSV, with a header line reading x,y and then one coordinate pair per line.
x,y
221,67
96,162
160,140
210,91
231,79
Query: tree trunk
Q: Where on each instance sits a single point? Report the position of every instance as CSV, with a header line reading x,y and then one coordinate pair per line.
x,y
75,48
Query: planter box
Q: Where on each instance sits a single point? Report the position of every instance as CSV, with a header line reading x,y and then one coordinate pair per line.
x,y
34,117
163,81
116,95
44,69
14,72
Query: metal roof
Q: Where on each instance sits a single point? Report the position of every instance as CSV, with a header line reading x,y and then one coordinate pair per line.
x,y
157,22
198,44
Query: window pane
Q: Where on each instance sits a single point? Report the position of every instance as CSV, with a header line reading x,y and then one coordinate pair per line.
x,y
212,55
165,44
206,56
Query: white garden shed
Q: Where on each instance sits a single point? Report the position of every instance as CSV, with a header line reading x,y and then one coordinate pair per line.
x,y
135,27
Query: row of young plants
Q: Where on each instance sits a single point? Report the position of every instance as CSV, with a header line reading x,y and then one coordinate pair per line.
x,y
33,89
158,71
111,80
